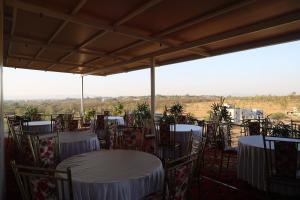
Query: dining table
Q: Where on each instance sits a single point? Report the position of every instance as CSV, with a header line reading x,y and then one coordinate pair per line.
x,y
251,166
76,142
38,127
114,174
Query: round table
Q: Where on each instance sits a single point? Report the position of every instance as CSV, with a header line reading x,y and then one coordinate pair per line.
x,y
251,162
38,127
118,119
73,143
114,174
182,129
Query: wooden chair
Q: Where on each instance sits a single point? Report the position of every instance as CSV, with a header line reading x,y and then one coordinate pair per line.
x,y
45,150
282,163
40,183
178,178
167,148
101,130
179,174
295,128
129,138
227,151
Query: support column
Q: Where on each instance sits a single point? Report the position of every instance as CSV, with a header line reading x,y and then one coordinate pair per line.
x,y
153,93
81,102
2,153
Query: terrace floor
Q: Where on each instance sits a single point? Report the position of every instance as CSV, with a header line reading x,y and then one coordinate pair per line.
x,y
208,189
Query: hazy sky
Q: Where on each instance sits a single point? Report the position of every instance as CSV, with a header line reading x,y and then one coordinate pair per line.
x,y
271,70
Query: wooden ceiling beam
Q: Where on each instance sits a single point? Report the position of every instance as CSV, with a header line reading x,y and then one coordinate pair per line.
x,y
93,23
61,27
31,59
101,33
255,27
183,25
13,26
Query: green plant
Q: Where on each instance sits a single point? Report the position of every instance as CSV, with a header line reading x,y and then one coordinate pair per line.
x,y
90,113
176,109
142,113
30,111
191,119
219,112
118,109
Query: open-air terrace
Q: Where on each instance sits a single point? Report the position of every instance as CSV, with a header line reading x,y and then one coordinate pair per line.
x,y
123,100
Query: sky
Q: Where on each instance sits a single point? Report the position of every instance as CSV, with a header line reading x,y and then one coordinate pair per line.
x,y
272,70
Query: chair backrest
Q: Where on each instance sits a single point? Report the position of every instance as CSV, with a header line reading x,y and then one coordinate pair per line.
x,y
40,183
25,152
281,157
59,123
100,122
166,137
129,119
210,132
129,138
46,150
254,128
295,128
178,177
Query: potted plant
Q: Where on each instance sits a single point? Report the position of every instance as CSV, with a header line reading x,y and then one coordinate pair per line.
x,y
142,114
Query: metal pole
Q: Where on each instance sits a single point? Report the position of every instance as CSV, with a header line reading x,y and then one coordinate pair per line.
x,y
2,153
81,102
152,93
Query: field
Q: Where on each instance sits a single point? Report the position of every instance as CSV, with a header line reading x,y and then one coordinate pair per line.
x,y
199,106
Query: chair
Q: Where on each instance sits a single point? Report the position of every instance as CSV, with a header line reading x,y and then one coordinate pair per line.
x,y
282,162
129,139
45,150
251,126
227,151
178,177
101,130
39,183
58,123
167,148
179,173
295,128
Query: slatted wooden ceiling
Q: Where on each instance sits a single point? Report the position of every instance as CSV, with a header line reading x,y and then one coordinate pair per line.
x,y
102,37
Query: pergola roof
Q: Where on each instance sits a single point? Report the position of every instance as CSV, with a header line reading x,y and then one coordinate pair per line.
x,y
103,37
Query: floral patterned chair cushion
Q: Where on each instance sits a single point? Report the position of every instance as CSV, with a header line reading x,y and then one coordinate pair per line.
x,y
43,189
47,152
129,136
179,181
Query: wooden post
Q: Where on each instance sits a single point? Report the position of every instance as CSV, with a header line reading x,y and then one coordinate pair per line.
x,y
2,153
152,93
81,102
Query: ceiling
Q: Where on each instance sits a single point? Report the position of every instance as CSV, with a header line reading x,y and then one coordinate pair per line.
x,y
103,37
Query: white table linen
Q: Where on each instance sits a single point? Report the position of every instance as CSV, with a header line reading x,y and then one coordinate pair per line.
x,y
251,163
73,143
39,126
114,175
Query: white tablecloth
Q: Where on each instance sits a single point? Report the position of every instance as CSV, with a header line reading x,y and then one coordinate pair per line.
x,y
38,126
73,143
251,163
114,175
